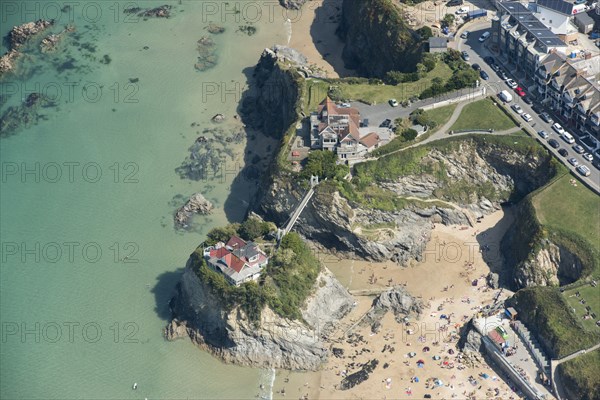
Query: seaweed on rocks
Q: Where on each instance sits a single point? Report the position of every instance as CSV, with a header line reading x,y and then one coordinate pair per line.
x,y
247,29
360,376
163,11
207,56
24,115
215,29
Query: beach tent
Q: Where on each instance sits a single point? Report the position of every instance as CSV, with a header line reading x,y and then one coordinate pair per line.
x,y
484,376
436,357
450,351
425,349
412,354
439,382
420,363
416,379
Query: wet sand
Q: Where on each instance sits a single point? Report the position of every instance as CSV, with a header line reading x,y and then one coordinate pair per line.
x,y
444,281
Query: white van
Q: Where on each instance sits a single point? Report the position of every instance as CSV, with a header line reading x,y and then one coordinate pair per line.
x,y
505,96
567,137
483,37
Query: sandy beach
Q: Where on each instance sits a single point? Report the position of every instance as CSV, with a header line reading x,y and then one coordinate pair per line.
x,y
444,280
313,34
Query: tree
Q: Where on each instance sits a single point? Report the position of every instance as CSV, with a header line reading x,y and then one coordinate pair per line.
x,y
425,32
409,134
429,61
253,228
221,234
321,163
448,20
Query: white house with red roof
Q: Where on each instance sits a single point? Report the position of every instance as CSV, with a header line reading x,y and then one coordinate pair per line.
x,y
337,129
239,261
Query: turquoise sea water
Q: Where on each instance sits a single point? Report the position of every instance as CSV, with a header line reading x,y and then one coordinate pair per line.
x,y
87,324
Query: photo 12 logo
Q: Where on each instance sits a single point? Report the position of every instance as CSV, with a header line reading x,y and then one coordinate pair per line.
x,y
71,92
69,252
69,172
69,332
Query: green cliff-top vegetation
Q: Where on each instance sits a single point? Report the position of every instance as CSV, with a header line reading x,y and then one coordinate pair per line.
x,y
581,375
285,283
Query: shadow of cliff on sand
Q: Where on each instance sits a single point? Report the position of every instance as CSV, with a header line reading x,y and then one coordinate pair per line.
x,y
323,34
164,290
491,251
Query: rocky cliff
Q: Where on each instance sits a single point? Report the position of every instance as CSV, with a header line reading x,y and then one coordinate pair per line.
x,y
468,165
375,30
537,257
273,342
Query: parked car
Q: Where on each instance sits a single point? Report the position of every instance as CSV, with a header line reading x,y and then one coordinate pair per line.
x,y
464,35
365,123
484,36
489,60
345,105
546,118
386,123
462,10
476,67
553,143
519,90
563,152
495,67
454,3
502,75
484,75
567,137
588,157
465,56
394,103
517,108
526,117
536,109
511,84
573,161
527,100
578,149
543,134
558,128
583,170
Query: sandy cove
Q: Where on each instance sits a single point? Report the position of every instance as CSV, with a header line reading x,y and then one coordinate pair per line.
x,y
313,34
444,280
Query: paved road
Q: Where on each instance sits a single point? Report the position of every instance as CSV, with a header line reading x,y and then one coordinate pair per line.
x,y
477,51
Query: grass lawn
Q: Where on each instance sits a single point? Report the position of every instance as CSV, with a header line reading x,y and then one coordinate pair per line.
x,y
592,299
372,94
382,93
482,114
570,208
582,376
439,115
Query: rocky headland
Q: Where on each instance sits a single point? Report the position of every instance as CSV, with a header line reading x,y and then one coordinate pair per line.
x,y
272,342
18,37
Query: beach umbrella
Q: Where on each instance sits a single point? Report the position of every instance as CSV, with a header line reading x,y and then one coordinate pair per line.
x,y
485,376
416,379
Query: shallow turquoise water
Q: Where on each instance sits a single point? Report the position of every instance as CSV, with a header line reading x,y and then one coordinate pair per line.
x,y
99,317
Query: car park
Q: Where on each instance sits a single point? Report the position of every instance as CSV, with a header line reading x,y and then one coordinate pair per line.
x,y
573,161
394,103
476,67
526,117
517,108
553,143
558,128
484,75
543,134
484,36
511,84
583,170
546,118
578,149
465,56
519,90
527,100
464,35
563,152
588,157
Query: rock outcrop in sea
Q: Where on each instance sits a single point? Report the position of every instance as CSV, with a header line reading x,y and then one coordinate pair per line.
x,y
292,4
273,342
196,204
17,38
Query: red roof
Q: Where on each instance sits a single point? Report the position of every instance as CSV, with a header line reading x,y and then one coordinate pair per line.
x,y
219,253
236,242
236,263
370,140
